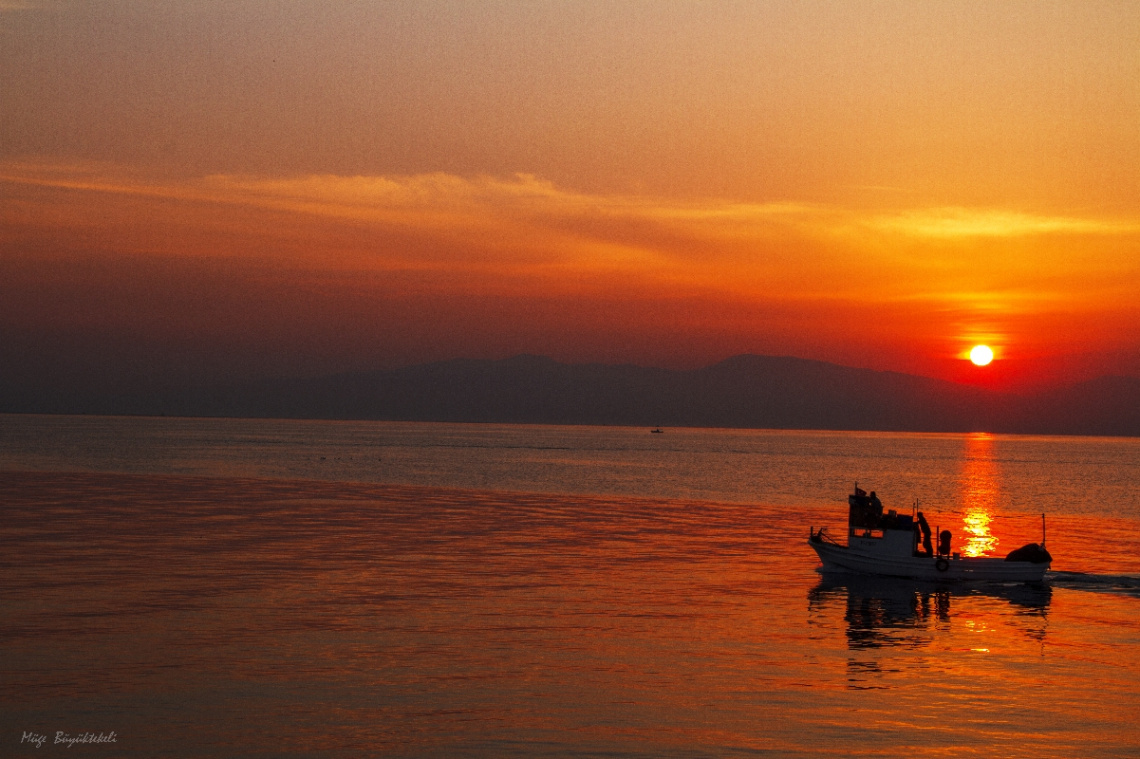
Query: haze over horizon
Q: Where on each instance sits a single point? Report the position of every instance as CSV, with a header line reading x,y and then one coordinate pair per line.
x,y
200,192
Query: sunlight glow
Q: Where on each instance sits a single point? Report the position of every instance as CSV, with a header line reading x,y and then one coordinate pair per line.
x,y
981,355
498,258
979,539
980,489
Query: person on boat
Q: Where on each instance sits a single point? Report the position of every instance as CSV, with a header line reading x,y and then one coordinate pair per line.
x,y
860,513
924,527
876,506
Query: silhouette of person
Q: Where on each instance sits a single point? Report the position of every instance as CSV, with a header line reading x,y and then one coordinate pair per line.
x,y
924,526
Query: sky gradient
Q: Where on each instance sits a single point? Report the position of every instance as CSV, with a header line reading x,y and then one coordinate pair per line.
x,y
219,190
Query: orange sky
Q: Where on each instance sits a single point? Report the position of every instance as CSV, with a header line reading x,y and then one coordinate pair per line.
x,y
245,188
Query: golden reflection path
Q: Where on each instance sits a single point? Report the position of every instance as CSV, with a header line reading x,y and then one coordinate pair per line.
x,y
981,485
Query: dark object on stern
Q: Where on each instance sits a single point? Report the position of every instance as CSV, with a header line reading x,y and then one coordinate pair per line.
x,y
1034,553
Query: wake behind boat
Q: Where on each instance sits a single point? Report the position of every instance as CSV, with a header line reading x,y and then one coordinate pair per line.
x,y
888,545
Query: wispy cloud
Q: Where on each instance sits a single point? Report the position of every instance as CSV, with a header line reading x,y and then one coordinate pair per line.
x,y
956,222
19,5
518,216
524,225
527,196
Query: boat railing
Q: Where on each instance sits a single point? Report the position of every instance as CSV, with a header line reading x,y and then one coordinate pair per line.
x,y
821,536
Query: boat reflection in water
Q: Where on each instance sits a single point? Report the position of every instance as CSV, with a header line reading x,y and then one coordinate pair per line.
x,y
894,624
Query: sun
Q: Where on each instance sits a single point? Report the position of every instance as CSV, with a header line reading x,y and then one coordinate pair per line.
x,y
981,355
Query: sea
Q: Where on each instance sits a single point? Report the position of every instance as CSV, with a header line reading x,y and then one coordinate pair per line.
x,y
261,588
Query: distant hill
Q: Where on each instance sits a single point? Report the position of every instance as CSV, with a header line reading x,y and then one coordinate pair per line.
x,y
1103,406
744,391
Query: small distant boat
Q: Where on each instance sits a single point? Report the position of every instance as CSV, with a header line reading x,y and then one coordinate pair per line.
x,y
887,545
657,430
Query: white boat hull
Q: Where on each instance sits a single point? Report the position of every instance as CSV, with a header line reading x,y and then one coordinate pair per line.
x,y
838,558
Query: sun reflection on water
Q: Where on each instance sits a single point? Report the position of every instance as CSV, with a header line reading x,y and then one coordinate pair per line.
x,y
979,540
980,490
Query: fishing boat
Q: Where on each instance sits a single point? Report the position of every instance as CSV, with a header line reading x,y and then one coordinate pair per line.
x,y
899,545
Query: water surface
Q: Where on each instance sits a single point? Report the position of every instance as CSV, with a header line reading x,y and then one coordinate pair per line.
x,y
256,588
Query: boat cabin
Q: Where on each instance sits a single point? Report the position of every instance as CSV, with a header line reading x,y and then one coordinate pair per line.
x,y
869,529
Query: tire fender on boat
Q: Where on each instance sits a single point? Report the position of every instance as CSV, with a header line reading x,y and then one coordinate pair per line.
x,y
941,565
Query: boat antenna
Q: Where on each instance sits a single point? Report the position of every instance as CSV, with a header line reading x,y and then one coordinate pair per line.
x,y
1042,529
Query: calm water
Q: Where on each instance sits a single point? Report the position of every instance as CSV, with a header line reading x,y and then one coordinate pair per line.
x,y
260,588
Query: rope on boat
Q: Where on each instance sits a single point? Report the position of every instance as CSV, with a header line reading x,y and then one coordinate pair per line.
x,y
940,512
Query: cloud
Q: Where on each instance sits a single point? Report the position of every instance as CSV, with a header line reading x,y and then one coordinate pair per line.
x,y
432,198
956,222
525,227
480,221
7,6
